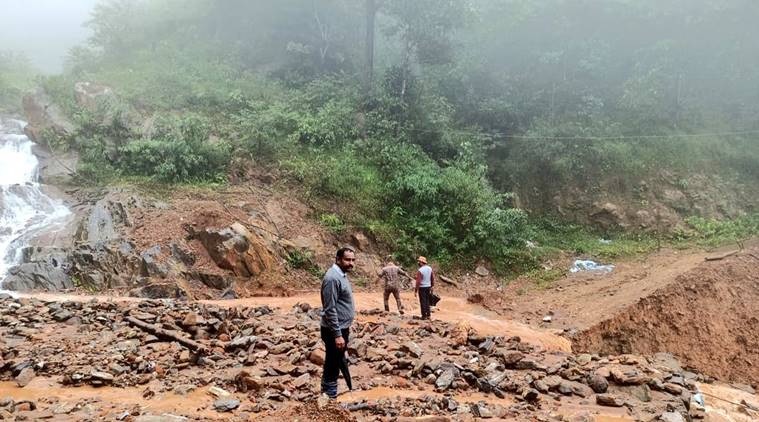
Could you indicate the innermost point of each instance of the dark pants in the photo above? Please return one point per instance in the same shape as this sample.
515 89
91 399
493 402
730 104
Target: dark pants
332 361
424 301
397 294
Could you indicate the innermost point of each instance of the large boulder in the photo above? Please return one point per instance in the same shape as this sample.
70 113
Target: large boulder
237 249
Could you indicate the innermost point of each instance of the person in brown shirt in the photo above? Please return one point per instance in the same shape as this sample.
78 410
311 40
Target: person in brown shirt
391 274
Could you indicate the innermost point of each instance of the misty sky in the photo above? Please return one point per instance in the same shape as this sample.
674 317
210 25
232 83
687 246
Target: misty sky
43 29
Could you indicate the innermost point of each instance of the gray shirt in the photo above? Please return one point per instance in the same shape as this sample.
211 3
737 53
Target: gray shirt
337 301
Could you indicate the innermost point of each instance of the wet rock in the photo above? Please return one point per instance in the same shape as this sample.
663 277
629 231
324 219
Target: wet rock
37 276
25 377
226 405
609 400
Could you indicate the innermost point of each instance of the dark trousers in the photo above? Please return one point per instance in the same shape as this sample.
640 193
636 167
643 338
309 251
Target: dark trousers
332 360
424 301
392 290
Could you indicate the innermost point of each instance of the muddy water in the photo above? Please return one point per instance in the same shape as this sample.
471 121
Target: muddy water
196 402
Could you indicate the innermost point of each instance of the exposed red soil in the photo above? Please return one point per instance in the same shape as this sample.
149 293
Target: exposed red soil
707 317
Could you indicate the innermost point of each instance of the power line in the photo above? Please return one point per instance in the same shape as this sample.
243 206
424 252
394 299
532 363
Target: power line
591 138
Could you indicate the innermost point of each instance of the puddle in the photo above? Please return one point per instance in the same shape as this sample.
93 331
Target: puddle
380 393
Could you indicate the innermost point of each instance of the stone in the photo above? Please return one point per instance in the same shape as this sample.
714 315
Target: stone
62 315
322 401
583 359
218 392
281 348
25 376
641 392
598 383
481 271
481 411
413 349
302 381
511 357
244 341
609 400
671 417
531 395
445 379
226 405
102 376
317 357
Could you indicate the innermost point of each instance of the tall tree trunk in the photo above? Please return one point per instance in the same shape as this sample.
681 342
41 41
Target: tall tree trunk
371 14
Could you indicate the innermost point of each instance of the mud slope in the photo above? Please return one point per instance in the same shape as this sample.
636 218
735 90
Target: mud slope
708 317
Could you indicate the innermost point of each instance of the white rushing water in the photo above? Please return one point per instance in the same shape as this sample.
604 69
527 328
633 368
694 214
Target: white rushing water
24 209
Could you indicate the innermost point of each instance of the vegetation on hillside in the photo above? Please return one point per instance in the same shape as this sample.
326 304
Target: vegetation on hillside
16 77
414 120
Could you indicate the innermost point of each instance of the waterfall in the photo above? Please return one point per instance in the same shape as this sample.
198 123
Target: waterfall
25 210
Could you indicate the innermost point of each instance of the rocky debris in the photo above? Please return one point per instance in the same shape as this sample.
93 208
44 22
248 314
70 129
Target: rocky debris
274 358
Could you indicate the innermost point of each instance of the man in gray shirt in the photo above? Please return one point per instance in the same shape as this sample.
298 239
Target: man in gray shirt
337 316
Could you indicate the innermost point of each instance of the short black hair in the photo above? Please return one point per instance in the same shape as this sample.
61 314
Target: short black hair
341 252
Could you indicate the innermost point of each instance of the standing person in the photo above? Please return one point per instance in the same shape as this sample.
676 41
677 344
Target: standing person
337 316
392 273
425 280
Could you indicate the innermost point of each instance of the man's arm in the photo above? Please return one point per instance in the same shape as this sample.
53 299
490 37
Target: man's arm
418 282
329 305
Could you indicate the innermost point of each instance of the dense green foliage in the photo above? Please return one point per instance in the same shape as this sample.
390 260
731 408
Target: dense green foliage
462 102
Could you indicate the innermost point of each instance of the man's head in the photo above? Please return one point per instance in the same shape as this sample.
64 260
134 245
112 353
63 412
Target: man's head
345 259
422 261
389 260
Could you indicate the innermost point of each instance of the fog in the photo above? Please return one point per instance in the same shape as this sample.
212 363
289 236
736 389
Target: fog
44 30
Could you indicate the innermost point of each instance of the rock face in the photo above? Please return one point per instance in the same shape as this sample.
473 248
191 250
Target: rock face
43 116
40 269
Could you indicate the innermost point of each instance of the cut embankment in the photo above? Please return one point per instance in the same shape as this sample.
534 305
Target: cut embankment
709 318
